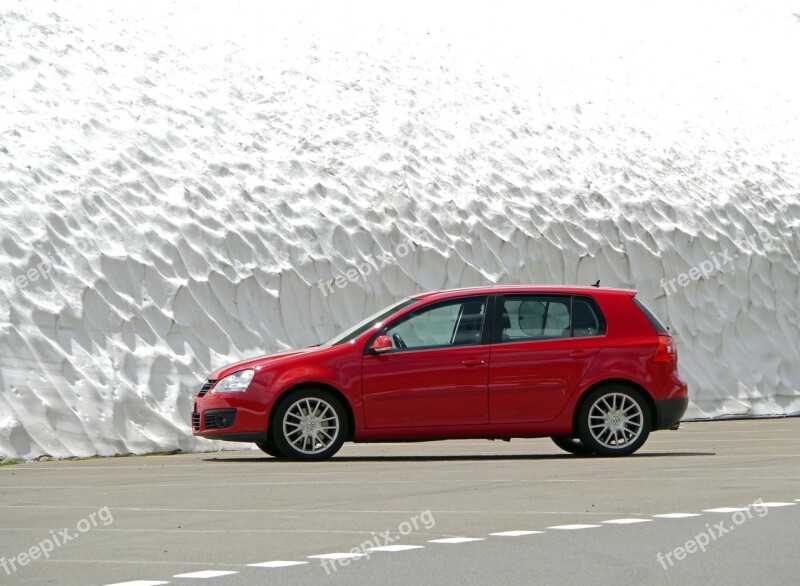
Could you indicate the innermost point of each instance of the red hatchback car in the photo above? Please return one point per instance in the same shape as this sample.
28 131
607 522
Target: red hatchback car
590 367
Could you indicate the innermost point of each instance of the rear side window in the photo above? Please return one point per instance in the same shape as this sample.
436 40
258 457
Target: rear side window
543 317
587 320
657 324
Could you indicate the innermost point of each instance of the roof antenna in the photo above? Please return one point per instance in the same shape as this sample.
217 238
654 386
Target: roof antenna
597 284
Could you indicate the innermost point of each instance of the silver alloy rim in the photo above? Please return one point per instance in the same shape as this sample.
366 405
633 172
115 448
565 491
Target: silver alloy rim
616 420
310 425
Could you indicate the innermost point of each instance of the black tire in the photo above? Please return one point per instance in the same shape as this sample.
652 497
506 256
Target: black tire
309 424
614 420
570 444
268 447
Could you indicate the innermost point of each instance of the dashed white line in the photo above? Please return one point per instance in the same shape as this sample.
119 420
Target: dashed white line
451 540
276 564
457 539
206 574
336 556
393 548
627 521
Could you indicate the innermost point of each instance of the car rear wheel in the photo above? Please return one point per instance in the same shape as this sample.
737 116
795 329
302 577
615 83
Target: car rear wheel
309 424
570 444
614 420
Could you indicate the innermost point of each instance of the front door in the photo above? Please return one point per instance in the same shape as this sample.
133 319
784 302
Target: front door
437 370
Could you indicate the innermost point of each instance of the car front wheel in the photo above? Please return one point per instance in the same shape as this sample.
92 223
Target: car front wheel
573 445
614 420
268 447
309 424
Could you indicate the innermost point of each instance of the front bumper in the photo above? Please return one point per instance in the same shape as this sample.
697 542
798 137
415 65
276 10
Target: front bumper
670 411
238 417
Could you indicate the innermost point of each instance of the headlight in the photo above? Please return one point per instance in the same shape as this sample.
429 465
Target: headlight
234 383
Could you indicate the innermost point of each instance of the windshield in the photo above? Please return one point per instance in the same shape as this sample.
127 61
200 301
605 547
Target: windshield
372 320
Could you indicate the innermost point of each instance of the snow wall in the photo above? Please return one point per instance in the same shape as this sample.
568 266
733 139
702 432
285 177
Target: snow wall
177 179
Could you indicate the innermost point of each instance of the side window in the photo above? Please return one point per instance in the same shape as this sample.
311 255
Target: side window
586 319
453 323
542 317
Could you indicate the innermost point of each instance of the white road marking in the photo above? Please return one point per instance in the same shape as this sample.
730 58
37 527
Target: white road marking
83 470
336 556
457 539
470 481
725 469
205 574
322 511
395 547
133 563
627 521
139 583
185 531
451 540
276 564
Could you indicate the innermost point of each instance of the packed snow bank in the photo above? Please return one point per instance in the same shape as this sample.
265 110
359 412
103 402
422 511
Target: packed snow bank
176 180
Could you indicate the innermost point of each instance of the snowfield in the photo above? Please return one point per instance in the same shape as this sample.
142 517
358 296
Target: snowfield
178 183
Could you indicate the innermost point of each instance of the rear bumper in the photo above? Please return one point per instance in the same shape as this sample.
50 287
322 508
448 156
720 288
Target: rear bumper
670 411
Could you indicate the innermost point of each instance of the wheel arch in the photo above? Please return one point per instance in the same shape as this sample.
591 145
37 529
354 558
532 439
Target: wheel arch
351 421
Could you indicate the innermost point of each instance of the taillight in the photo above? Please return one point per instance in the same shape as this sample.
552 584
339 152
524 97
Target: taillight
665 352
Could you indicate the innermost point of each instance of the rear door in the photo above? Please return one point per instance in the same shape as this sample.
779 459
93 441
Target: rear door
543 345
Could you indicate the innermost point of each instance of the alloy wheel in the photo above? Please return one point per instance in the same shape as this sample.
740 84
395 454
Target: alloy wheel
616 420
311 425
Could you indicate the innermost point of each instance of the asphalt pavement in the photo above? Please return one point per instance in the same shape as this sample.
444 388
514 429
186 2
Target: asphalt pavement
712 502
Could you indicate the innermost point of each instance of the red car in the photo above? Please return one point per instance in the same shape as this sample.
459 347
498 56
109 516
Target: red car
590 367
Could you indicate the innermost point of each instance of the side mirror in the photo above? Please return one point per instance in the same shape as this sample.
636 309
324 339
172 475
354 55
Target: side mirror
381 344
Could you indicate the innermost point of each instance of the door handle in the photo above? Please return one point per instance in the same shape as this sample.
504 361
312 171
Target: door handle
578 354
473 361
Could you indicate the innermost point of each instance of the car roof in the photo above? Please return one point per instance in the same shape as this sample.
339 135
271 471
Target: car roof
508 289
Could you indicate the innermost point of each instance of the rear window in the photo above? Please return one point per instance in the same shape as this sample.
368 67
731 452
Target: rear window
657 324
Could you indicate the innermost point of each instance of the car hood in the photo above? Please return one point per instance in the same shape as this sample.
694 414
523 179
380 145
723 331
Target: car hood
260 361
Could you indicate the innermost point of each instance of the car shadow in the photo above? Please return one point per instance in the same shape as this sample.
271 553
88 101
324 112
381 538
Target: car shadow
468 457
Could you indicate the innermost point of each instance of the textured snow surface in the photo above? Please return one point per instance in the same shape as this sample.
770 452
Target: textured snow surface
176 178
